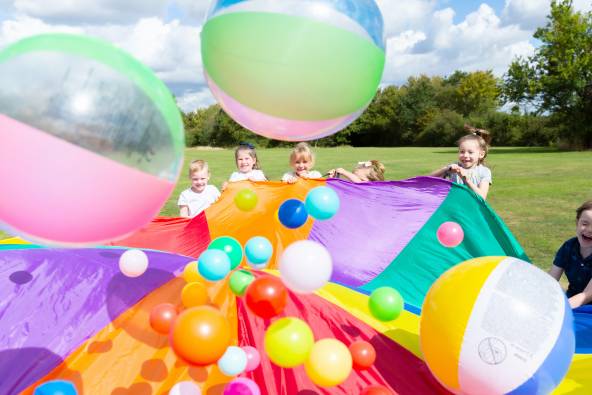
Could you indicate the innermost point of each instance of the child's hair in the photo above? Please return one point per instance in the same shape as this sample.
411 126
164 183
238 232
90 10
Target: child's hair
584 207
376 172
250 148
302 149
481 136
198 165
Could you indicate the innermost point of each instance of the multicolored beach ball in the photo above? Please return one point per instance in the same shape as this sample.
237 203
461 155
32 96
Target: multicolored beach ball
290 69
92 140
497 325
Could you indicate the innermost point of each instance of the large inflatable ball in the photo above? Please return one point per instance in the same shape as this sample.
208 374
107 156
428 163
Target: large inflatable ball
497 325
92 140
291 69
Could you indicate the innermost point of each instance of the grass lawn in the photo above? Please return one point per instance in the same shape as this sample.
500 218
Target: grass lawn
535 190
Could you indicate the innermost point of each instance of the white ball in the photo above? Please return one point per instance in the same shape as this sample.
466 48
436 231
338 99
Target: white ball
133 263
185 388
305 266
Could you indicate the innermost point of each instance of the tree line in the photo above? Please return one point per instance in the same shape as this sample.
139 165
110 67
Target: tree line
542 100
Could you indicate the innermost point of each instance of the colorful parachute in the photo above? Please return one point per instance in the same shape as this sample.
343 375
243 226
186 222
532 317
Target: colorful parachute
70 313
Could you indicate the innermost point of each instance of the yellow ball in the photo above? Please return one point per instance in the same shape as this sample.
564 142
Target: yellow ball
288 342
329 363
194 294
246 199
190 273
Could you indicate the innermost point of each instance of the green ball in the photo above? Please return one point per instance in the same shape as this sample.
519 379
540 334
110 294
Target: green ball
231 247
385 303
246 199
239 281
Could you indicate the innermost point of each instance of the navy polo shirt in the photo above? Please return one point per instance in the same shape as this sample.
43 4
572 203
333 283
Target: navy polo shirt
577 269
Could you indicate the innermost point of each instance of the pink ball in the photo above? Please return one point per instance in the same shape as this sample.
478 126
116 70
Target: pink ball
253 358
450 234
242 386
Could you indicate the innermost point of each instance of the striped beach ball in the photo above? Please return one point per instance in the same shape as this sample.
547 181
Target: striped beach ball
497 325
91 140
291 69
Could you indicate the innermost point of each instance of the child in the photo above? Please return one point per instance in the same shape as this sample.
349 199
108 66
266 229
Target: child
371 170
575 259
472 151
247 164
200 195
302 161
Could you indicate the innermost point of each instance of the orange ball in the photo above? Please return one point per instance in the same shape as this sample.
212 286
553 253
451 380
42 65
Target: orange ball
363 354
162 317
194 294
200 335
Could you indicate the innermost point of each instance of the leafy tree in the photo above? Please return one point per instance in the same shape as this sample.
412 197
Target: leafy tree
557 79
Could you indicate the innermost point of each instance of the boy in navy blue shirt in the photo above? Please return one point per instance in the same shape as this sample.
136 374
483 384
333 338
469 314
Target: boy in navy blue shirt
575 259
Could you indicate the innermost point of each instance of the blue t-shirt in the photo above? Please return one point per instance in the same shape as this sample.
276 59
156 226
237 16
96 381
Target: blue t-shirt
577 269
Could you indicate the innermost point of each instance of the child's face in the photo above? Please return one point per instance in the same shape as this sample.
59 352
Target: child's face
584 229
301 164
470 153
244 161
199 180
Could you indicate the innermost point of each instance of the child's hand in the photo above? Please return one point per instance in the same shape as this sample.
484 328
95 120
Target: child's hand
455 169
224 185
291 180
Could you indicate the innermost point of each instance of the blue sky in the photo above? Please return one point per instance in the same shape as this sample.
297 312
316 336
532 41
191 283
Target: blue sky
432 37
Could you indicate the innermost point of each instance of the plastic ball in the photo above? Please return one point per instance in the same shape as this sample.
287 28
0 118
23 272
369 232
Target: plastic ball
377 390
309 89
510 332
56 387
233 362
450 234
104 126
329 363
363 354
322 203
213 265
185 388
194 294
231 247
191 274
266 296
246 199
133 263
385 304
239 281
200 335
288 342
305 266
292 214
253 358
258 250
242 386
162 317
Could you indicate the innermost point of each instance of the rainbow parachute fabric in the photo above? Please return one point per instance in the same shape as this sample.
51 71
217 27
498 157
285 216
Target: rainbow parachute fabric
70 314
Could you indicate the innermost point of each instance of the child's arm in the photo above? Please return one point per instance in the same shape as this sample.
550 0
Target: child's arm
184 211
440 172
289 178
582 298
482 189
556 272
351 176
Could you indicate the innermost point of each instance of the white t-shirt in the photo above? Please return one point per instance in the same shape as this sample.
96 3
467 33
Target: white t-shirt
476 175
255 175
311 174
198 202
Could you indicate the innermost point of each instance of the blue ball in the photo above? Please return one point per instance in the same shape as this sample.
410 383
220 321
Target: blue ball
233 362
56 387
322 203
258 250
213 265
292 213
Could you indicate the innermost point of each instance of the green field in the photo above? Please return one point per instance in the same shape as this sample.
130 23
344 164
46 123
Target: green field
535 191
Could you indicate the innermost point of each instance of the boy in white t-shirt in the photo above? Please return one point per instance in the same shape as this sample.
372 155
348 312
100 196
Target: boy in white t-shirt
200 196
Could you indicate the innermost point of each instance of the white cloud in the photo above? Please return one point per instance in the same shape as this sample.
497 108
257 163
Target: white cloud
530 14
192 100
400 16
24 26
